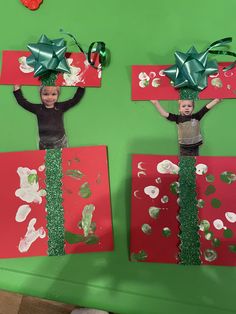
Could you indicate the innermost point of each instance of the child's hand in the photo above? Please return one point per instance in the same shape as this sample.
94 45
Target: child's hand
154 102
217 100
16 87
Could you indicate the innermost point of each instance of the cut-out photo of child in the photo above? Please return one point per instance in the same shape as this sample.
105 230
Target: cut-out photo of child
188 123
49 114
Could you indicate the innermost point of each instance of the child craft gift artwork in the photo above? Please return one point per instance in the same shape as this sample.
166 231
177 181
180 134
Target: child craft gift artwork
48 63
51 66
192 76
203 230
55 202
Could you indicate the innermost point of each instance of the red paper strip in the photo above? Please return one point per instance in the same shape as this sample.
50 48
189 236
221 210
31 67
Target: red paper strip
149 82
216 181
23 223
16 71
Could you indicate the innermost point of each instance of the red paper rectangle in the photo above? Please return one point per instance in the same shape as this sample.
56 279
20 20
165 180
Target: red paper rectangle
15 71
149 82
18 227
215 187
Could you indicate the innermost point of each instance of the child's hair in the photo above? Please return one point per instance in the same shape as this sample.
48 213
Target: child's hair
43 86
192 100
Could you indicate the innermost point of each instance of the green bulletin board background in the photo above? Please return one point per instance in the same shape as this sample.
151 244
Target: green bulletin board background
136 32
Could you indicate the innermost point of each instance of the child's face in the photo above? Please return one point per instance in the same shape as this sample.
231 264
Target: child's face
49 95
186 107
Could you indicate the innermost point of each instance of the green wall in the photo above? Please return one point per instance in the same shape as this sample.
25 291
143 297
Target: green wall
136 32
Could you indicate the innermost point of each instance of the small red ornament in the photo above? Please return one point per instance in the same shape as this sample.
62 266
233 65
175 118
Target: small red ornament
31 4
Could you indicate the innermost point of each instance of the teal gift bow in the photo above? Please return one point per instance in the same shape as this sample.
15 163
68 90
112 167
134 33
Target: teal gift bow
192 68
97 47
48 55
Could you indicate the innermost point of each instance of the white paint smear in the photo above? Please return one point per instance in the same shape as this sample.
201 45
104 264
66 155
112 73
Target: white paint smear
22 213
31 236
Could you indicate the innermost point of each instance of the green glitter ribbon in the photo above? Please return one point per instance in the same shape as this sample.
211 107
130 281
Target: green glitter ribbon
55 212
225 53
188 216
48 56
188 93
96 47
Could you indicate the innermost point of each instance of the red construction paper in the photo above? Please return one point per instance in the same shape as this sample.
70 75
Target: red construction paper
13 64
92 162
11 231
215 186
220 85
158 248
225 194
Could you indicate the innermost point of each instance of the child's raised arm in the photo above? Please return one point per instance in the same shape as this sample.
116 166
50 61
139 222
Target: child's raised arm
213 103
16 87
161 110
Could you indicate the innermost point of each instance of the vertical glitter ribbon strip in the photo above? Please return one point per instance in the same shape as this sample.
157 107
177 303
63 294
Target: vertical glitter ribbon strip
188 217
55 212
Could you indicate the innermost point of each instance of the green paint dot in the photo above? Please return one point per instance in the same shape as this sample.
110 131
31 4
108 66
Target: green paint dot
209 235
200 203
32 178
174 187
215 203
166 232
204 225
73 238
91 239
154 212
216 242
210 178
232 248
85 191
140 256
228 233
146 228
210 190
228 177
165 199
74 173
